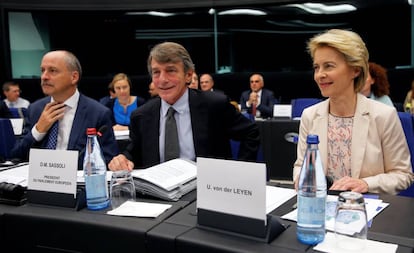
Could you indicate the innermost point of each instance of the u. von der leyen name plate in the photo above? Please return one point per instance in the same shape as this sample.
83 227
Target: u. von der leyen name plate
232 187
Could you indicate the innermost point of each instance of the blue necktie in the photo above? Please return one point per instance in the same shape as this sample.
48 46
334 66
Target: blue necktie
53 134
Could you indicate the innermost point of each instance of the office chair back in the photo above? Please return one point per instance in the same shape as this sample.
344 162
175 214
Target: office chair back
7 138
299 104
18 112
235 145
407 121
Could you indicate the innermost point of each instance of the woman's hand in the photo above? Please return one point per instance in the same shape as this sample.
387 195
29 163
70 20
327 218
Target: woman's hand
350 184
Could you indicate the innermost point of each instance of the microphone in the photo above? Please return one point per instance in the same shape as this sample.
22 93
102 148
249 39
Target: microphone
102 130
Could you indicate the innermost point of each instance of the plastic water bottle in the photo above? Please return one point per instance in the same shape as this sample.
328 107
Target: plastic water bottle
94 170
311 196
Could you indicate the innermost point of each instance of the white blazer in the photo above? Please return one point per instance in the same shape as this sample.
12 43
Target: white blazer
379 150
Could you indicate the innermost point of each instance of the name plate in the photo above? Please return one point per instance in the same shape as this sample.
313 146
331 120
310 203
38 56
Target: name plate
232 187
53 170
282 111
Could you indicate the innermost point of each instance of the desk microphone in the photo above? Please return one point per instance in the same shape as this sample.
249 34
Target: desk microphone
102 130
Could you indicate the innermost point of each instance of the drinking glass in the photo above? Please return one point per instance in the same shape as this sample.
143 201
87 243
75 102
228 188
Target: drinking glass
351 221
122 188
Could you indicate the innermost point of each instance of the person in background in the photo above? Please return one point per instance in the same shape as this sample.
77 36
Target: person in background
207 83
362 142
107 100
123 105
12 92
4 110
152 90
206 121
377 86
74 112
409 100
194 81
257 99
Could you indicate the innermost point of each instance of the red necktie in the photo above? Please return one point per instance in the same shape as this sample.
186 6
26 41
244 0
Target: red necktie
254 110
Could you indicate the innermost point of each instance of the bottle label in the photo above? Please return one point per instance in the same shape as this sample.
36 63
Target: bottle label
311 211
96 188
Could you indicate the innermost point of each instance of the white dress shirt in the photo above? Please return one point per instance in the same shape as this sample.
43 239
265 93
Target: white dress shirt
185 132
19 103
65 124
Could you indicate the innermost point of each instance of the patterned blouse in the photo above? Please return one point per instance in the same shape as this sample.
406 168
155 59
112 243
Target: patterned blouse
339 146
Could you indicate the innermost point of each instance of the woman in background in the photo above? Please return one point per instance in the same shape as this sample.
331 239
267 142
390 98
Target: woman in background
194 81
409 100
123 105
377 86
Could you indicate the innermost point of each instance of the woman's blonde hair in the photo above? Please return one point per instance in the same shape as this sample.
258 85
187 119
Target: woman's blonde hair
350 45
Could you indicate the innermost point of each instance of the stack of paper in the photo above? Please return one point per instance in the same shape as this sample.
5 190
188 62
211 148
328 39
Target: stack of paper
170 180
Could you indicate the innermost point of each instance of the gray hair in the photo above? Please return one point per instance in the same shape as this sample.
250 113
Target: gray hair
170 52
72 62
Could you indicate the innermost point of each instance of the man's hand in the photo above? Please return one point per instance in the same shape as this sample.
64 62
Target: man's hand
52 112
120 162
253 98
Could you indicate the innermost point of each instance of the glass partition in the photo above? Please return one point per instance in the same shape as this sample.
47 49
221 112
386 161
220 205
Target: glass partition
264 38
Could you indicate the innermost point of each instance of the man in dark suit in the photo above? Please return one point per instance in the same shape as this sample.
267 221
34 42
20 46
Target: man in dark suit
207 83
257 100
206 121
4 110
75 112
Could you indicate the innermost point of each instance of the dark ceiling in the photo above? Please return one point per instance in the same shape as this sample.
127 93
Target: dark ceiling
168 4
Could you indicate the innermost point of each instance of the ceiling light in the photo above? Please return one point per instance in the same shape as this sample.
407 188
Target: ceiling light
151 13
317 8
242 12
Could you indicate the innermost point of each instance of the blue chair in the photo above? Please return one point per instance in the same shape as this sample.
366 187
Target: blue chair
7 138
235 146
18 112
299 104
407 121
14 112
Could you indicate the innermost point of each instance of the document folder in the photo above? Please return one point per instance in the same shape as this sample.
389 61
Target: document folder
240 226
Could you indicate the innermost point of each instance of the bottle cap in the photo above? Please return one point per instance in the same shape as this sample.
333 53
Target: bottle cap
312 139
91 131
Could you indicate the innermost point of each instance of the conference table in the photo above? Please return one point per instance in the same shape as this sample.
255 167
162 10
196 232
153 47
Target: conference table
278 145
43 228
392 225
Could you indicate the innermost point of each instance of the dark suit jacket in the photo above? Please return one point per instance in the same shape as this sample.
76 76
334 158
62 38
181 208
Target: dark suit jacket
267 100
90 113
214 122
4 110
